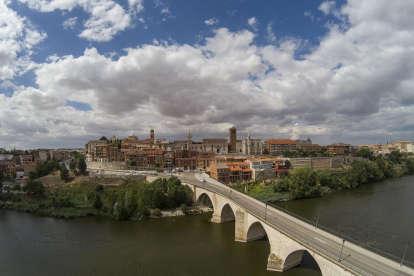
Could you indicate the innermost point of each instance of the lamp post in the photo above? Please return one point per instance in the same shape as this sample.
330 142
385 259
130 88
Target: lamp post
230 192
317 219
340 255
404 253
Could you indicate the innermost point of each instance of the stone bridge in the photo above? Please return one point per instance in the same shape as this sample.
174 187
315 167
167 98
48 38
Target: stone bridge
285 252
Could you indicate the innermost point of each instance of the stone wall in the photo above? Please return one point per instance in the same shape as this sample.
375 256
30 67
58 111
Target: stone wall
317 163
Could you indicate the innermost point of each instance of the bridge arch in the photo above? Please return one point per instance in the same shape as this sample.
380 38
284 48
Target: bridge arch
255 231
227 213
204 199
296 257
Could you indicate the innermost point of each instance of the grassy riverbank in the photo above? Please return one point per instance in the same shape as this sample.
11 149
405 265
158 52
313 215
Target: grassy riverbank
133 199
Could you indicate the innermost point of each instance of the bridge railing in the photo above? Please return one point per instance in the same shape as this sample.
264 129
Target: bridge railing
326 229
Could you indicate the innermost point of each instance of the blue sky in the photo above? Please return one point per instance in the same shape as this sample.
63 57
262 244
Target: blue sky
279 69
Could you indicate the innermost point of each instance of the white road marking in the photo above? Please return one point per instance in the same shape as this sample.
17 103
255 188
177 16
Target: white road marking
320 240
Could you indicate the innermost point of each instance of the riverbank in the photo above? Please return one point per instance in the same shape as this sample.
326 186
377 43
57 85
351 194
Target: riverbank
84 211
130 200
306 183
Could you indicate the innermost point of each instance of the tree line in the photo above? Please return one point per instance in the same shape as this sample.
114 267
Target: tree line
305 182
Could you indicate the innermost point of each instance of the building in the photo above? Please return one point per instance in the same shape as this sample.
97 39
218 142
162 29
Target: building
304 142
204 159
145 158
310 147
26 159
262 169
107 153
404 146
8 168
276 147
220 172
43 155
377 149
233 139
6 157
185 159
218 145
252 146
339 149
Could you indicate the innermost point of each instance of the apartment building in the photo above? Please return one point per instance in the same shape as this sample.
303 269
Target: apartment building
339 149
220 172
276 147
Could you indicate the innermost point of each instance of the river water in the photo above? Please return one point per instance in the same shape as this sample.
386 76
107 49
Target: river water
381 214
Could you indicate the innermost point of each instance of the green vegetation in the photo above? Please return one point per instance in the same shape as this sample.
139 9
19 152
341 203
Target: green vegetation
64 173
72 164
81 165
131 200
1 180
305 183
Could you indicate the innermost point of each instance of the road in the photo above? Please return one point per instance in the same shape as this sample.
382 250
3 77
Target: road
353 257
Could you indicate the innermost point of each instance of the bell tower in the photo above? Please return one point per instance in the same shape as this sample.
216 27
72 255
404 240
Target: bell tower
152 136
189 140
233 139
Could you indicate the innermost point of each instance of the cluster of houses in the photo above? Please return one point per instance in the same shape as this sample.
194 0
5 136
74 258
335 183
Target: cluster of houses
17 164
228 160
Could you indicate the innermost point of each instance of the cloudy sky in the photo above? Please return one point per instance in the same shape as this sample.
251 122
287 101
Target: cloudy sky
337 71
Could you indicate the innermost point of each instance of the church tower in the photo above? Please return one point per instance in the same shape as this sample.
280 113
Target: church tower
152 136
189 140
233 139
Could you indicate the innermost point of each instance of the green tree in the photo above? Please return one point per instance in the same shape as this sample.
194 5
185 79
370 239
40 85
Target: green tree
34 187
64 173
326 179
99 188
395 157
17 187
133 163
41 170
81 165
7 189
410 165
364 153
97 202
287 164
72 164
32 175
303 183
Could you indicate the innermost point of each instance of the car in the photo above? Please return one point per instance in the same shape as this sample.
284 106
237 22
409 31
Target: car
154 173
170 174
191 170
173 171
202 179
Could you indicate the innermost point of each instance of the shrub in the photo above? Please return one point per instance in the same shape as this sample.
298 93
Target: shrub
157 212
184 209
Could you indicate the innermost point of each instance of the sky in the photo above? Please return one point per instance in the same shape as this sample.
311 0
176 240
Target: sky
336 71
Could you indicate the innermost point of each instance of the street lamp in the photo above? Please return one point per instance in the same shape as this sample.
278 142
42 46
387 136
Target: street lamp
404 253
340 255
317 219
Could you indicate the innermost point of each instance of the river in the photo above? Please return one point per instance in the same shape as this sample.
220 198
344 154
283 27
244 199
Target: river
381 214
